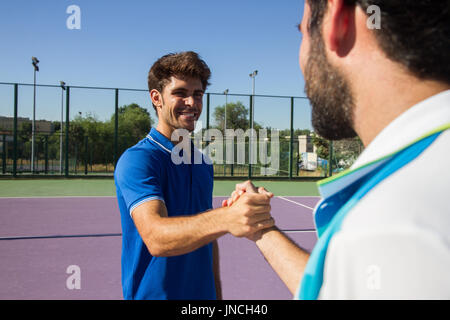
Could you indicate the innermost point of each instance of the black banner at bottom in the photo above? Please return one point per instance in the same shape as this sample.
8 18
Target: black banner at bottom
227 310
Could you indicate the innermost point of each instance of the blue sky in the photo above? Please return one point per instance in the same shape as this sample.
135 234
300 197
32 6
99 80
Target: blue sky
119 40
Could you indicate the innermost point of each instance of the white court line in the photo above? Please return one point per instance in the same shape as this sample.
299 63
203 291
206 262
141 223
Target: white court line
297 203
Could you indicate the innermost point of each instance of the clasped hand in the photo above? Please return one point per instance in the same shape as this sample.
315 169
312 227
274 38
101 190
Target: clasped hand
250 210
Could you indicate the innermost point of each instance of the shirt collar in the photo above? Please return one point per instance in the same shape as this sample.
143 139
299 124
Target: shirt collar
160 140
410 126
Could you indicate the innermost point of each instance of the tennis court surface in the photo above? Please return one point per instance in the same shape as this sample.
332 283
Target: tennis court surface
41 237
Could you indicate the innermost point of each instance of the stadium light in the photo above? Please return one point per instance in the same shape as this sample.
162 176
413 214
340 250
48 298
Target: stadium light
34 62
253 76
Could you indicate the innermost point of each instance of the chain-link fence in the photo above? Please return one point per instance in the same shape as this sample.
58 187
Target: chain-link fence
82 131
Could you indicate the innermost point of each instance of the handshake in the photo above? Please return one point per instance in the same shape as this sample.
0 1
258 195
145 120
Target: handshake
249 211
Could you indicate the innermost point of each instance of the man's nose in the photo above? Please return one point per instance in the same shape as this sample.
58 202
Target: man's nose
189 100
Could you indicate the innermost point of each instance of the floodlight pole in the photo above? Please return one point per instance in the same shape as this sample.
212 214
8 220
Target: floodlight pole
252 114
253 76
33 122
35 62
226 103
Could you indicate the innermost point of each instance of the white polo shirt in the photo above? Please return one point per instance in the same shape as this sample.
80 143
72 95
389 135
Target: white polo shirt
395 243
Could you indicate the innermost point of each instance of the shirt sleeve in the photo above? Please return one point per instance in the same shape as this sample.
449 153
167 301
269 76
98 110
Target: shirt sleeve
395 263
138 176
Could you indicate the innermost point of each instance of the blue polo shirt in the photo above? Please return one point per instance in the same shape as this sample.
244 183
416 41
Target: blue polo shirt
146 172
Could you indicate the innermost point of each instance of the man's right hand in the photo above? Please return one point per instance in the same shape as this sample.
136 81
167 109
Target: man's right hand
241 188
249 214
248 190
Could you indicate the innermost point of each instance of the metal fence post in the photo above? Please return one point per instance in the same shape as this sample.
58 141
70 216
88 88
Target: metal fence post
4 154
16 96
291 140
86 148
46 154
67 131
207 110
116 128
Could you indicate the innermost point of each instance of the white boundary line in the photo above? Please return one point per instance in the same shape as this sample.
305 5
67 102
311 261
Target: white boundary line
299 204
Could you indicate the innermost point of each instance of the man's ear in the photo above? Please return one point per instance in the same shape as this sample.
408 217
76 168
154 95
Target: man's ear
156 98
339 31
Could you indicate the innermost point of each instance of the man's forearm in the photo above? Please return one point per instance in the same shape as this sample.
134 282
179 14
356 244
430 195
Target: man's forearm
173 236
170 236
286 258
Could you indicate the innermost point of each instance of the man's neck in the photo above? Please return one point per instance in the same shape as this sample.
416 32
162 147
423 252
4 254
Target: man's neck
383 96
165 130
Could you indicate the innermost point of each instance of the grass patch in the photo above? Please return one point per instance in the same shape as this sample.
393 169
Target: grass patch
106 187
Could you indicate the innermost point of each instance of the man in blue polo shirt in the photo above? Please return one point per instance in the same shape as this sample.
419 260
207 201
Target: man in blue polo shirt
169 248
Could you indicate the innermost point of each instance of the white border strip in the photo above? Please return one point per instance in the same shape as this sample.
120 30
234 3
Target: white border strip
143 201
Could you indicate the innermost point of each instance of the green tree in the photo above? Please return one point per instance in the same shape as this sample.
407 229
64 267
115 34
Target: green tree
24 132
346 151
297 132
24 139
237 117
134 124
56 125
77 133
99 139
322 145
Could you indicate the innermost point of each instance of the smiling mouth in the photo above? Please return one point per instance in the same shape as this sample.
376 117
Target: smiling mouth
189 115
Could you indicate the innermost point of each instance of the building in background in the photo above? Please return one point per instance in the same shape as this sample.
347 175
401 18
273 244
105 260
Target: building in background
308 152
42 126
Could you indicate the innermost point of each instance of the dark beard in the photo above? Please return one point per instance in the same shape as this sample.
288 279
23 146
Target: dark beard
329 94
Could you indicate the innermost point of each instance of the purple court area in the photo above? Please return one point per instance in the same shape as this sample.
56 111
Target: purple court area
41 237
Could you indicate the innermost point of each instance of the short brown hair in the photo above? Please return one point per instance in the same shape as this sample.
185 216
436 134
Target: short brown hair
183 64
